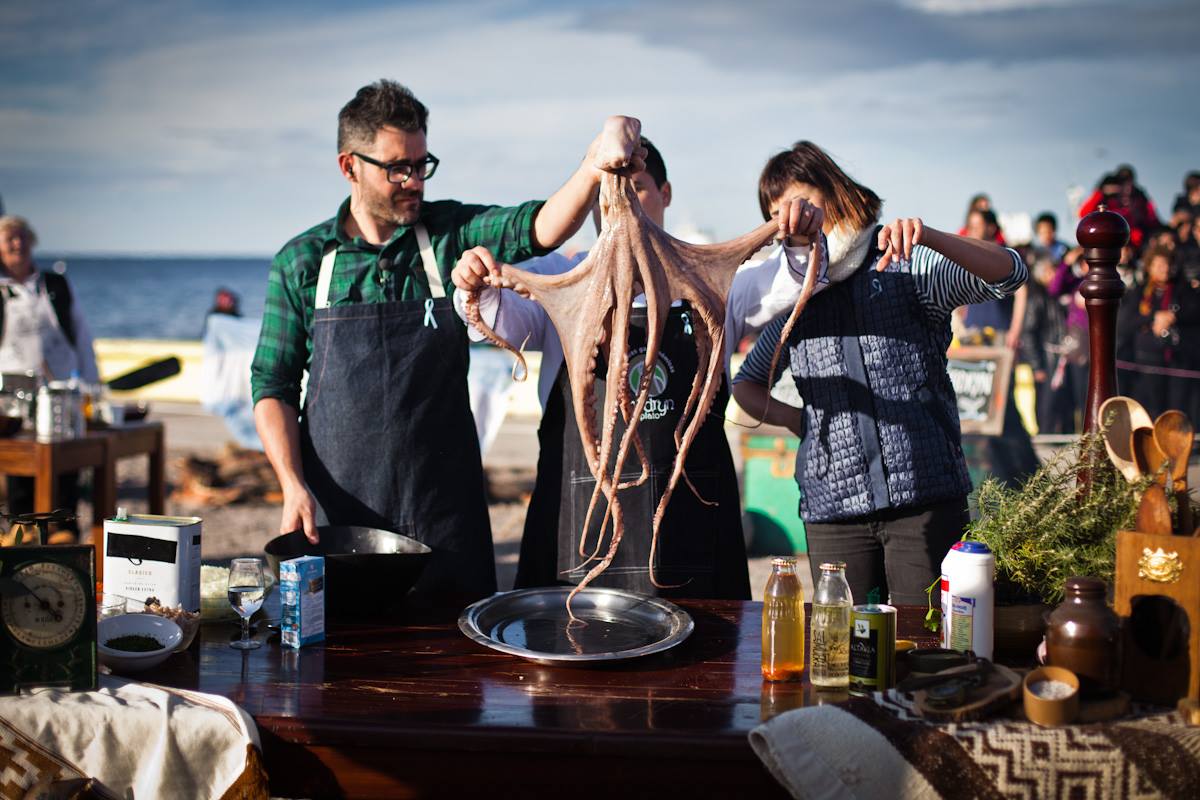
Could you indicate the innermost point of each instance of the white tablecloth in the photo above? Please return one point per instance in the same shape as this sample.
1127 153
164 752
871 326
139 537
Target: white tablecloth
134 739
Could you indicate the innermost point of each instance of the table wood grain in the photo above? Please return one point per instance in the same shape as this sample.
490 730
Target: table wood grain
412 708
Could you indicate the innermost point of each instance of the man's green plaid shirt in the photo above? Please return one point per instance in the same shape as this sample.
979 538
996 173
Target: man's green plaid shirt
285 342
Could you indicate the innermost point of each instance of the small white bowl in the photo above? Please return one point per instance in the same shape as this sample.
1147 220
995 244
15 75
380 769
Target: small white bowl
164 630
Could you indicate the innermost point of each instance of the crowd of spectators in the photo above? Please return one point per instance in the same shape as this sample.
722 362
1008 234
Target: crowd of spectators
1158 324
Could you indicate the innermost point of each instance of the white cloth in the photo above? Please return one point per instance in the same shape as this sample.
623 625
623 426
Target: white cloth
847 250
824 753
229 344
138 740
34 342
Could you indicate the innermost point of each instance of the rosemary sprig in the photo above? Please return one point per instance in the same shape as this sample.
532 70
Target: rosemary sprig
1050 528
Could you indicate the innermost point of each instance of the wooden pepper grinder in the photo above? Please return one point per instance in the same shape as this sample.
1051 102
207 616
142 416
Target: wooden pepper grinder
1102 234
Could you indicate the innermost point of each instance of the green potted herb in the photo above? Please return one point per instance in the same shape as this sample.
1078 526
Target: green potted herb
1047 530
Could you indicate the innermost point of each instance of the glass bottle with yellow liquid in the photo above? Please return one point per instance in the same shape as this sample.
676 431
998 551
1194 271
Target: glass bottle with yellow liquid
783 623
830 635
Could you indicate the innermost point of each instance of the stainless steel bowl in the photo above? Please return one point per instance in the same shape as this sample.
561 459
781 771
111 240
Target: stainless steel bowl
533 624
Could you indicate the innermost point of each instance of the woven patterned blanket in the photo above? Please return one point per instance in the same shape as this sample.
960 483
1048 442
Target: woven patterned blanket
880 748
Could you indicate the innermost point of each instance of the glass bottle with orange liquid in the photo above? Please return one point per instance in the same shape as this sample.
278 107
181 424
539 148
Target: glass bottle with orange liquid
783 623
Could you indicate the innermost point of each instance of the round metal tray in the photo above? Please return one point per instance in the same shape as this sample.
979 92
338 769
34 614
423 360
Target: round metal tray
532 624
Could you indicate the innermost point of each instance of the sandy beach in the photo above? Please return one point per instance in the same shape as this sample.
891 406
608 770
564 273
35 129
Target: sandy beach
243 528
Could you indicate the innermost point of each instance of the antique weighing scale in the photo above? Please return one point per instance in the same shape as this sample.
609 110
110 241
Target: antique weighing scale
47 617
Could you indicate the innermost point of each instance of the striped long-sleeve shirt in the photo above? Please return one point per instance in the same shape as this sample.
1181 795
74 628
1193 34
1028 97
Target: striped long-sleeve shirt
941 285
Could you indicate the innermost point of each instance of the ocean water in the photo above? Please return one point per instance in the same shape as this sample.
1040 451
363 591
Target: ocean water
158 298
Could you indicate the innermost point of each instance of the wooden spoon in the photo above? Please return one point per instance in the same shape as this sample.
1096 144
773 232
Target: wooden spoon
1153 514
1119 416
1148 456
1174 435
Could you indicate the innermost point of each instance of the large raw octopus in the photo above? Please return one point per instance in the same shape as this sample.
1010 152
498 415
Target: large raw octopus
591 304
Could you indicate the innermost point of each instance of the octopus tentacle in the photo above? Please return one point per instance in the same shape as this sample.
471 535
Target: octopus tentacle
703 348
806 291
593 301
474 317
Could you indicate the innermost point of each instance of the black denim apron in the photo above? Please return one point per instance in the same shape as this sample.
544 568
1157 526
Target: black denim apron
700 546
387 436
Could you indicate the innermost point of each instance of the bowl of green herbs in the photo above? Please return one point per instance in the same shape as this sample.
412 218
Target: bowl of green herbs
136 642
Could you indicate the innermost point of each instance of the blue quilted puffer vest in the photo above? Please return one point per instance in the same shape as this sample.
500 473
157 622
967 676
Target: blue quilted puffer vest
881 421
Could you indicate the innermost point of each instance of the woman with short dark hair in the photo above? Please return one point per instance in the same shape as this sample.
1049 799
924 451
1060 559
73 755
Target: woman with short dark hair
883 481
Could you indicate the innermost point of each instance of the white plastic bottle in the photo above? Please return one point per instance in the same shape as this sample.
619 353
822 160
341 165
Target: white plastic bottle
968 598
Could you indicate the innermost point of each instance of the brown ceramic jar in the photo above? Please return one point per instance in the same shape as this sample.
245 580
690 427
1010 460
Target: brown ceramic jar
1084 635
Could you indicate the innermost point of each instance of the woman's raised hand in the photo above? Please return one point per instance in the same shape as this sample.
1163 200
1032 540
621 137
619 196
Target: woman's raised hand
800 219
897 239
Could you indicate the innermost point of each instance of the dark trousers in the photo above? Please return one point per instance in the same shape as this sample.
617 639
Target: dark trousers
1078 374
898 551
1159 393
20 496
1055 407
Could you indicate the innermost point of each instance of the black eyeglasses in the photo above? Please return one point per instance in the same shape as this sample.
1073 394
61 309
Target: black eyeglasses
400 171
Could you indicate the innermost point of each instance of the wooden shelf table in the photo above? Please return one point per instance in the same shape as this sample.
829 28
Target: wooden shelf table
142 438
99 449
23 455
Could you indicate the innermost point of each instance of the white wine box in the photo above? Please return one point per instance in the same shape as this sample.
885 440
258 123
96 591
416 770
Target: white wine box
153 556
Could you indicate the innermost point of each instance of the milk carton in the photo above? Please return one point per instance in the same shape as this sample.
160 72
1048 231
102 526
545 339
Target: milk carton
147 555
302 601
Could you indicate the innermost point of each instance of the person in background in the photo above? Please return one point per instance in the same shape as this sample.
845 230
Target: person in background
1046 243
1042 348
1181 225
1010 456
1120 193
1187 254
883 482
1189 199
43 331
225 301
982 203
225 304
1006 315
702 551
385 437
1157 320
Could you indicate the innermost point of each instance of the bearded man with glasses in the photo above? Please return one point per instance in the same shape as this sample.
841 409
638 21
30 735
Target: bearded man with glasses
385 436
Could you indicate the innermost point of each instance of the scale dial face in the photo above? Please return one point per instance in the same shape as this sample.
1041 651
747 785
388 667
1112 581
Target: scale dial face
53 614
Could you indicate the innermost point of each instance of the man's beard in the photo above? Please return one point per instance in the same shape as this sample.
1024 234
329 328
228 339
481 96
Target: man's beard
388 208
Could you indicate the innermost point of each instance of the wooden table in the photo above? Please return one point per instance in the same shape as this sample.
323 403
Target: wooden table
99 449
413 708
142 438
25 456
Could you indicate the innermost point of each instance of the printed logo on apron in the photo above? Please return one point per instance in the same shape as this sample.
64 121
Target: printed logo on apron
660 381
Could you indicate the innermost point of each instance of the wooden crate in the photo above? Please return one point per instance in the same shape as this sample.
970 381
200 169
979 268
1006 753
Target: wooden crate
1151 565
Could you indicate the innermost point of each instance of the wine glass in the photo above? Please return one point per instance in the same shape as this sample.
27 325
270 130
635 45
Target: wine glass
246 591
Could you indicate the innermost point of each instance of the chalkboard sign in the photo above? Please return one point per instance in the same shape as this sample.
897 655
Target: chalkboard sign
980 376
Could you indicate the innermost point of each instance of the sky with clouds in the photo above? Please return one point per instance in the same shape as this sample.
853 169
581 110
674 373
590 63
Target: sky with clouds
208 126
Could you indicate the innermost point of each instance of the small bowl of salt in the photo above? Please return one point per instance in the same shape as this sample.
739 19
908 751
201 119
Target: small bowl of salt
1051 696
